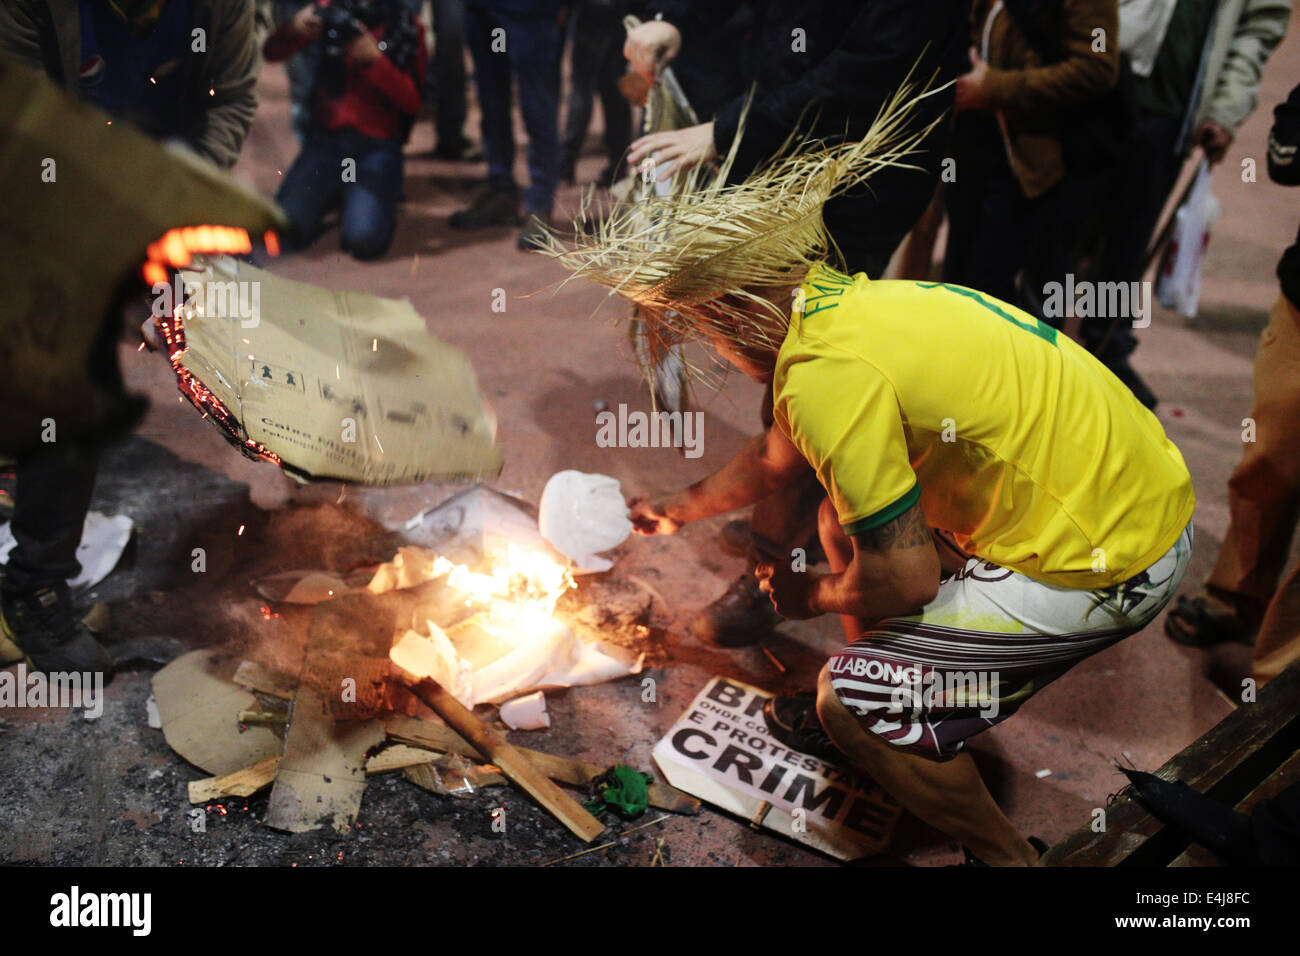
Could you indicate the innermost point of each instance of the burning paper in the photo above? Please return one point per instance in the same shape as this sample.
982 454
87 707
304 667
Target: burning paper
507 640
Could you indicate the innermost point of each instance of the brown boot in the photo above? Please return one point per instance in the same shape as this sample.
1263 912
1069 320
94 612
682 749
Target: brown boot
739 618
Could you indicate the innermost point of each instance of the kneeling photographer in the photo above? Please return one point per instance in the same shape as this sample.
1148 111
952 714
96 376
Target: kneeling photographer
366 95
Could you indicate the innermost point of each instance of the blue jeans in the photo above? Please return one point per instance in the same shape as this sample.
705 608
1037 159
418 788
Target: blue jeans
368 207
532 56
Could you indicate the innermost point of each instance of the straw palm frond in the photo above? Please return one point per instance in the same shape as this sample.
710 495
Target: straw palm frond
696 261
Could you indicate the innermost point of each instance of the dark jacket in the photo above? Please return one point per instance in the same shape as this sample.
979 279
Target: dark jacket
1284 169
1030 93
46 35
826 67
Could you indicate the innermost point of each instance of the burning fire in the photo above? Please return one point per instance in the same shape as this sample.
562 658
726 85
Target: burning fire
521 587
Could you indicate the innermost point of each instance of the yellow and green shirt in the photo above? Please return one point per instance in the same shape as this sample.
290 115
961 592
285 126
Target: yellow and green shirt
1012 437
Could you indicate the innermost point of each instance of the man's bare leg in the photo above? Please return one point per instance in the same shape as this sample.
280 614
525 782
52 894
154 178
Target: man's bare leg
948 795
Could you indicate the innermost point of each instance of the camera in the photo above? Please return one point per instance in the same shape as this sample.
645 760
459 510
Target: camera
339 27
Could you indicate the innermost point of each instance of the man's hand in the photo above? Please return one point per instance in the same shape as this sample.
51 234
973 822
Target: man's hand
364 49
650 518
970 91
790 591
306 23
1214 139
678 149
650 44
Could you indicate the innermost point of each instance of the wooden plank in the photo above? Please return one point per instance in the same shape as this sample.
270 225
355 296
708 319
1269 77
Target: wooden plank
576 773
501 753
398 756
1220 764
248 780
241 783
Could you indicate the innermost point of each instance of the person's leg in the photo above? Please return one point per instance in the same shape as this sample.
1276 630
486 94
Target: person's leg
997 239
1277 645
1138 193
1264 490
52 490
310 188
582 88
449 74
534 50
909 691
614 107
949 795
492 80
369 215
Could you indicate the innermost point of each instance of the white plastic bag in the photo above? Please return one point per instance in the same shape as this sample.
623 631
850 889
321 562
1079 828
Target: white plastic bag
582 515
1178 284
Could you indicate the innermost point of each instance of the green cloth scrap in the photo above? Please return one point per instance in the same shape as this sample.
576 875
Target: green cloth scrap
622 790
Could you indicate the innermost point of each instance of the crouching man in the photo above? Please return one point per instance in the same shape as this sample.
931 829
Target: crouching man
1000 506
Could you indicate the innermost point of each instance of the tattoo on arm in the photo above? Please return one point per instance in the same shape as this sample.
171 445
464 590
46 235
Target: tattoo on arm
908 530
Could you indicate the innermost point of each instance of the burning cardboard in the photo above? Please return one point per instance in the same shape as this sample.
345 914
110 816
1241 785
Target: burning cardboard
327 384
67 243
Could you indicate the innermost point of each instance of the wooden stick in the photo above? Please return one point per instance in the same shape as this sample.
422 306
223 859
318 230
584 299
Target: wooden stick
501 753
576 773
248 780
240 783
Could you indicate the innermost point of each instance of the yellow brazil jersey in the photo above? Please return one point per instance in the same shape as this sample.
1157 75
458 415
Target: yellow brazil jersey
1012 437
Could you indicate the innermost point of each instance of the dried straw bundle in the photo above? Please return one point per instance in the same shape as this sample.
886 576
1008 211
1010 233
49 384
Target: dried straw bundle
698 261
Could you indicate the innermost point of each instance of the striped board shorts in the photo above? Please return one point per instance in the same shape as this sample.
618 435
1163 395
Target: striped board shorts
988 642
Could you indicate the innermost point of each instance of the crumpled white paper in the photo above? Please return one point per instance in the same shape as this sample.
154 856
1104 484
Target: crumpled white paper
582 515
479 664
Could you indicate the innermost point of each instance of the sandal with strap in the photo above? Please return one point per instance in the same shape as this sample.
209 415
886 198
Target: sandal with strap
1193 623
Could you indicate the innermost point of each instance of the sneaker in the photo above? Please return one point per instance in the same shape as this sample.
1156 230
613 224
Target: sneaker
1126 374
49 633
1203 621
493 207
794 722
533 235
739 618
735 538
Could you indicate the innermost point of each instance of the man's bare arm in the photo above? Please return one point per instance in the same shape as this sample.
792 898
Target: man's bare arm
766 463
894 571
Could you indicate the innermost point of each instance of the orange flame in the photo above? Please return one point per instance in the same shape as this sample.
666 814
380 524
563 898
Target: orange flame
177 247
